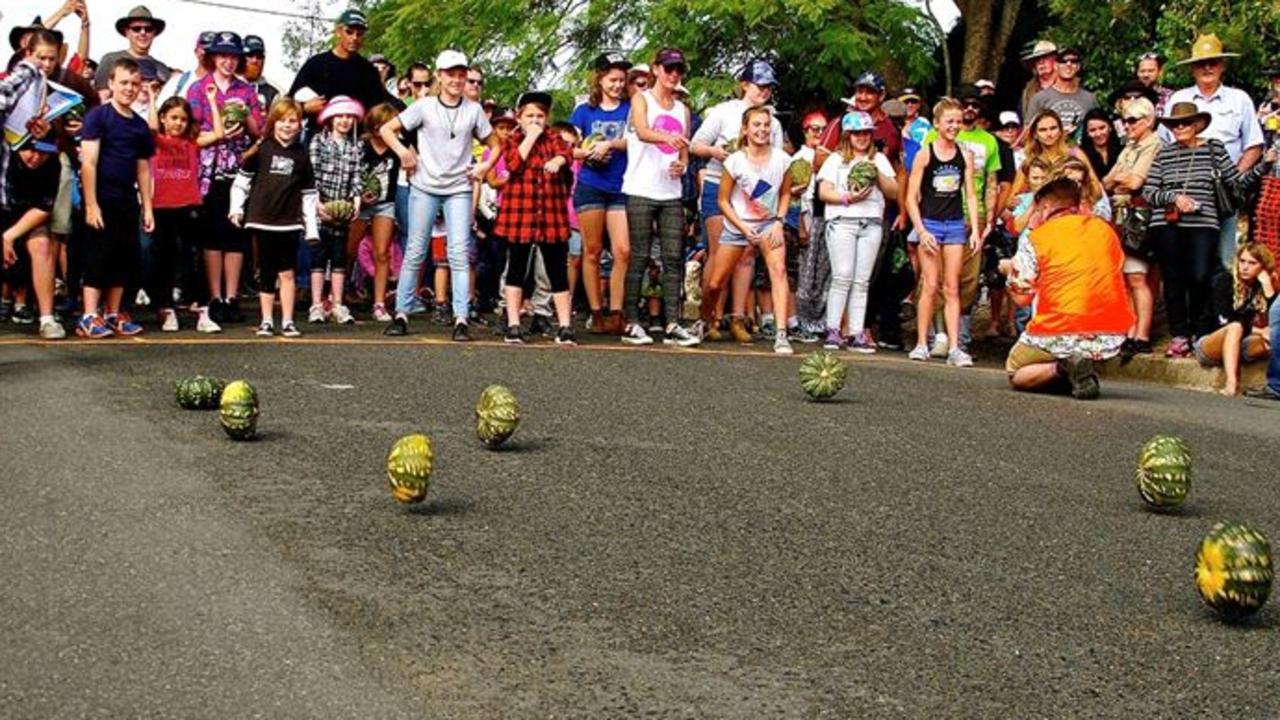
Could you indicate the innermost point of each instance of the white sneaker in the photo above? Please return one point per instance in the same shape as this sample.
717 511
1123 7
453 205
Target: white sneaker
919 354
380 313
959 358
940 345
341 315
205 325
170 323
676 335
781 345
266 329
51 330
635 335
315 315
290 330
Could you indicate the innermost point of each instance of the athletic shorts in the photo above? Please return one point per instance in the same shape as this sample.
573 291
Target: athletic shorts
277 253
60 219
587 198
113 255
221 235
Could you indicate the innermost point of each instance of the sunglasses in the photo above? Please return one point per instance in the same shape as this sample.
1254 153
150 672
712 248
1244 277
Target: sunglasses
1070 61
141 29
1175 124
1130 121
420 83
911 101
815 128
640 83
478 82
972 104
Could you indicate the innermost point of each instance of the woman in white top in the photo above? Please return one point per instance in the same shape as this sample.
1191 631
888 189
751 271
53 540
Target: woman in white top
719 128
657 155
755 192
854 227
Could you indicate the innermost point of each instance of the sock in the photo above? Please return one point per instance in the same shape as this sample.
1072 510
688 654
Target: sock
46 319
766 318
793 321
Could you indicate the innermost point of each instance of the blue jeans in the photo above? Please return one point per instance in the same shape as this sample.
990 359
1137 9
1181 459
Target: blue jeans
1227 242
423 208
1273 365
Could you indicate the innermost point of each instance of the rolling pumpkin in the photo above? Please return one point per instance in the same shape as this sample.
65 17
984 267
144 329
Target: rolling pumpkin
1233 570
238 410
1164 471
822 375
199 392
497 415
409 468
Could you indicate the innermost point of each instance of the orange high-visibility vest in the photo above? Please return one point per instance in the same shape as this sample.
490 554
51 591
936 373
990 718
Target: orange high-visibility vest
1080 286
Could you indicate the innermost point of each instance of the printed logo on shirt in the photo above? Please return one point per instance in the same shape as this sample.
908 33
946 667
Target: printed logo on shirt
668 124
608 129
762 198
946 180
281 165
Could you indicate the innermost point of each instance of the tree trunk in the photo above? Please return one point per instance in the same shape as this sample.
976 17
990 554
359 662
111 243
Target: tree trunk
1000 42
978 17
942 43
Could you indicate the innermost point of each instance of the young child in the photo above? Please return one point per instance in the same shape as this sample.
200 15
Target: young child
1022 220
570 134
440 283
380 171
534 211
274 196
117 146
28 248
754 195
336 157
177 201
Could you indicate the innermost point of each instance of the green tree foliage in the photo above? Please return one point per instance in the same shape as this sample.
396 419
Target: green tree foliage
1111 35
817 45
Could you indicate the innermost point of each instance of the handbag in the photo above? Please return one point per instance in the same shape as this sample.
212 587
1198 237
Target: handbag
1132 220
1226 196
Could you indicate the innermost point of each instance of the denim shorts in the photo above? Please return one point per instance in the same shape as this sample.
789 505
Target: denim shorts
575 243
732 237
710 200
382 210
587 198
947 232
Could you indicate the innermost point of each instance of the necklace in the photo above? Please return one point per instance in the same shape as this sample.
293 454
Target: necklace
451 118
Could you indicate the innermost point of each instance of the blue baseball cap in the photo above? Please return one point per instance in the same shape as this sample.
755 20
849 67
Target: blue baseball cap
871 80
759 72
857 121
226 43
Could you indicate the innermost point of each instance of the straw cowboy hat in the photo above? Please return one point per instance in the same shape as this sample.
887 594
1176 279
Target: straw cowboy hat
1035 50
1207 47
1184 111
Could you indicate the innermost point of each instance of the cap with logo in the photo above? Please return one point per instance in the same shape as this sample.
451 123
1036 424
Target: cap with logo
451 59
353 18
1009 118
670 57
870 79
611 60
226 43
909 93
205 39
759 72
254 45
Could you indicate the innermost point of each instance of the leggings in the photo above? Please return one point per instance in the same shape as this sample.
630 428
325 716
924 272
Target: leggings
1189 258
555 256
668 215
853 244
176 231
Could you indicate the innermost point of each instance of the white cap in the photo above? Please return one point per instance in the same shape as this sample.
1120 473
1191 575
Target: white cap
984 83
450 59
1008 117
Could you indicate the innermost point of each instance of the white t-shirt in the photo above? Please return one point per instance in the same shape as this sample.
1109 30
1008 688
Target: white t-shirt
757 189
836 171
648 165
444 143
724 123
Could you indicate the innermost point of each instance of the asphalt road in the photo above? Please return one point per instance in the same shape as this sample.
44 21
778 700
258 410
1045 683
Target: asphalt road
670 535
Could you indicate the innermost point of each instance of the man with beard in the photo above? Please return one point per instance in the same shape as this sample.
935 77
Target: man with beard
255 57
1065 96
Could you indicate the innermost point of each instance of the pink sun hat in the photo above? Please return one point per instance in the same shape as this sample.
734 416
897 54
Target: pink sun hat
341 105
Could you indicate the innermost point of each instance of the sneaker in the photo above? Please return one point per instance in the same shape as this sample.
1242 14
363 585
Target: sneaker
24 315
781 345
92 327
941 347
834 341
380 313
399 326
1141 347
1179 347
206 324
566 336
514 335
6 310
52 330
698 329
416 307
214 310
123 325
802 334
316 315
461 333
889 344
738 331
635 335
290 330
341 315
440 315
541 326
768 328
959 358
1261 392
919 354
1079 371
862 344
676 335
266 329
170 322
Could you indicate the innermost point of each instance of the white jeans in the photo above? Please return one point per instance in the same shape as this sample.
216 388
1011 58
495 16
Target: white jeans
853 245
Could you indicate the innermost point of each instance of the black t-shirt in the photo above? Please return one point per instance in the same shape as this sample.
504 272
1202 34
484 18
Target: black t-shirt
1008 171
384 167
280 175
330 76
1224 308
30 189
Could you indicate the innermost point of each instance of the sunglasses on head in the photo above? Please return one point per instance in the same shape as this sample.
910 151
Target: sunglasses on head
142 29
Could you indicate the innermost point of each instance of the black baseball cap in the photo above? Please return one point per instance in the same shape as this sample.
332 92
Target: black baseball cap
611 60
254 45
670 57
535 96
353 17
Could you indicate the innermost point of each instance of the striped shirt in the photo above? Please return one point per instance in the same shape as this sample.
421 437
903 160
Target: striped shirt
1180 170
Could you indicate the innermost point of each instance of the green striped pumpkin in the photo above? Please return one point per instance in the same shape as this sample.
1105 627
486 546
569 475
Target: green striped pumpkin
238 410
822 375
409 468
199 392
497 415
1164 471
1233 570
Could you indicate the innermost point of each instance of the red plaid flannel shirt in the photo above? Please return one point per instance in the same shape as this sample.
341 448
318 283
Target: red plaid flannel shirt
535 205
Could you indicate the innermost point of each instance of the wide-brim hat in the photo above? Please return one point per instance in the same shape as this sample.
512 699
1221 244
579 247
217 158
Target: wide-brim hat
341 105
15 35
1183 111
1131 87
1038 49
1207 47
139 13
